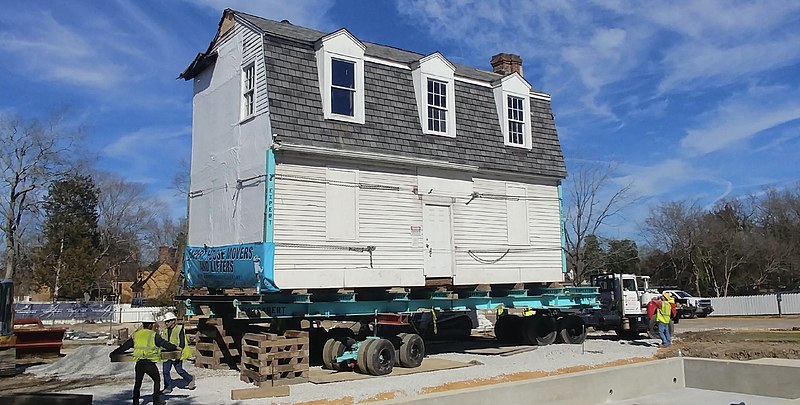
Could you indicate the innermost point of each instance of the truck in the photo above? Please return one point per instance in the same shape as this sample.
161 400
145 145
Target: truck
623 302
690 306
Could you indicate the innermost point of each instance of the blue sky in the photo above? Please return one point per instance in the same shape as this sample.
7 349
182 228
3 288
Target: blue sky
690 99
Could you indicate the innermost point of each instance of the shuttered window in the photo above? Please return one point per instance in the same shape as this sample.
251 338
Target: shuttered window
341 205
517 215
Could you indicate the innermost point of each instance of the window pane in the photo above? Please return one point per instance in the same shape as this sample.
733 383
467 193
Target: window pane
343 73
342 102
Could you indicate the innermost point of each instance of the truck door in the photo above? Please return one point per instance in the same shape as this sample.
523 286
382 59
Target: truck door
630 296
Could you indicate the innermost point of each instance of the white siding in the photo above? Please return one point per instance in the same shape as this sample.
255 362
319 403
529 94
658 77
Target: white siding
225 149
341 205
385 220
305 258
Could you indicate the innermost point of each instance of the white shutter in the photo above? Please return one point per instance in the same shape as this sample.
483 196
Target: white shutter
341 205
517 215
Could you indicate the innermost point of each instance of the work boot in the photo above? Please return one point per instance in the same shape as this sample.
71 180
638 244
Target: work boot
190 385
166 391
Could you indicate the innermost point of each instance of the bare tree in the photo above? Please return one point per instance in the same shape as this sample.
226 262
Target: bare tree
32 153
128 216
592 200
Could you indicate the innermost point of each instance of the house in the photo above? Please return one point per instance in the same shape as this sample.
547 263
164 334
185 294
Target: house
154 282
323 161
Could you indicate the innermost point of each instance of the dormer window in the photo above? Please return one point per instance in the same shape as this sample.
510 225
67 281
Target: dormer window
437 106
248 90
512 98
516 120
433 85
343 87
340 65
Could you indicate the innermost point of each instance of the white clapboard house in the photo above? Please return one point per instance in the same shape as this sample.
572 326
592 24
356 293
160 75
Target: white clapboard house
365 165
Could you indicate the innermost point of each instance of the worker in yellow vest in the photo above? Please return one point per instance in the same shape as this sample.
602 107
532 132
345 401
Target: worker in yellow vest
147 345
175 334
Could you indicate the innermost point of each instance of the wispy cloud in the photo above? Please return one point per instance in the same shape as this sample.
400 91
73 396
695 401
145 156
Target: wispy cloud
742 117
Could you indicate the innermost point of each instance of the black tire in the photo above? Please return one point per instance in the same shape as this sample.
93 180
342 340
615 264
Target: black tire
508 329
333 348
411 351
379 357
539 330
572 330
702 315
361 356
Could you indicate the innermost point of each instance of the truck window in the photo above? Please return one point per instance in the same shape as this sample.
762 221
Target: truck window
629 284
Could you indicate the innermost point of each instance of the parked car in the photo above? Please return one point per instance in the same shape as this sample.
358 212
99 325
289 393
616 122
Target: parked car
689 306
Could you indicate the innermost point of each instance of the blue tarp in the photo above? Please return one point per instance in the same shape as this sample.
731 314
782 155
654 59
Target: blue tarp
86 311
248 265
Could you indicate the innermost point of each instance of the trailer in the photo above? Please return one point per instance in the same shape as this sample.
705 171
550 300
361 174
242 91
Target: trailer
394 325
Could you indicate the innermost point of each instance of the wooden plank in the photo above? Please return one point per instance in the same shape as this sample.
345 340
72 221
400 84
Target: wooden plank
259 392
296 334
260 337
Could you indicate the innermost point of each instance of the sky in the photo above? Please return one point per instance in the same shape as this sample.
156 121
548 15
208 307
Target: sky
696 100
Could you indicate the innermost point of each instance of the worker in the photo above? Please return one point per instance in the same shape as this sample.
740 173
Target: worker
147 345
663 318
175 334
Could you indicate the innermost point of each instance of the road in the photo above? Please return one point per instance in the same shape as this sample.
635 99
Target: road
738 322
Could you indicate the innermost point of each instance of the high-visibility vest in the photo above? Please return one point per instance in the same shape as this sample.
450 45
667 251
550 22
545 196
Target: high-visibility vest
174 337
144 346
663 313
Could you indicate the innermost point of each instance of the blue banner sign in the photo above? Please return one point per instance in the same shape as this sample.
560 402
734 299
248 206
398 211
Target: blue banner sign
248 265
79 311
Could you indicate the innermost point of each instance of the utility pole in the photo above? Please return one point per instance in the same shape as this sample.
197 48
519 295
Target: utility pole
58 270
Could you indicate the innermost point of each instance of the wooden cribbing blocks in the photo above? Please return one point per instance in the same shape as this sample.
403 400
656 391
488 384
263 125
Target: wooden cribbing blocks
214 349
272 360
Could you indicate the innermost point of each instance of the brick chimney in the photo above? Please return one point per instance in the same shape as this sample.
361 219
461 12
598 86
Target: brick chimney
507 63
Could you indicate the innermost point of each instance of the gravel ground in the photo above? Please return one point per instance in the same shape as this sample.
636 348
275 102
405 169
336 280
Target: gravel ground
213 387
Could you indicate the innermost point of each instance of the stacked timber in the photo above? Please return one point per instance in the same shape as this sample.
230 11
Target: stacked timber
214 348
272 360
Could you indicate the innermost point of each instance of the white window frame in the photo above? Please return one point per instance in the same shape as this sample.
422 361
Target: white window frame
430 95
333 211
353 89
343 46
248 91
435 67
511 111
513 85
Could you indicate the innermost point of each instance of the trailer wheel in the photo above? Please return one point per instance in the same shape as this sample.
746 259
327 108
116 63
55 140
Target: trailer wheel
572 330
361 356
380 357
507 328
332 349
545 330
411 351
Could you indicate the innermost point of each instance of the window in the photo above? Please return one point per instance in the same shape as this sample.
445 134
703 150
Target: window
343 87
434 87
340 69
512 99
516 121
437 106
248 90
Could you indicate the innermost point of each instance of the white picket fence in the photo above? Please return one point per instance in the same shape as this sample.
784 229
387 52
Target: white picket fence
766 304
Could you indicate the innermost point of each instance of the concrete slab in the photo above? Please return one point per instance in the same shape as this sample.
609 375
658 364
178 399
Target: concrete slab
777 362
322 376
689 396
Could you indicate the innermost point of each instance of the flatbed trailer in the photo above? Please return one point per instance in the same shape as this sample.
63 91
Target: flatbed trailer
395 325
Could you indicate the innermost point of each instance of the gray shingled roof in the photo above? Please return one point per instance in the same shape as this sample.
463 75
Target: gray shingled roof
392 124
289 31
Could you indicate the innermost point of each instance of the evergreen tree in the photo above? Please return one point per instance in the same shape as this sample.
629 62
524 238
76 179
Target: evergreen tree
66 261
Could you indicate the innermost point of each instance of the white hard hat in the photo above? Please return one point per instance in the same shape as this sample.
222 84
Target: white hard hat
169 316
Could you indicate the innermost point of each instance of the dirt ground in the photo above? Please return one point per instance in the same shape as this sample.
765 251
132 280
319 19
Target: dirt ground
739 338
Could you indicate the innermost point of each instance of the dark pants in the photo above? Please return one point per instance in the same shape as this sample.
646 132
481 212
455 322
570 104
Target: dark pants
146 367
